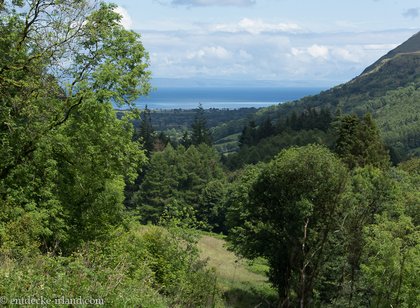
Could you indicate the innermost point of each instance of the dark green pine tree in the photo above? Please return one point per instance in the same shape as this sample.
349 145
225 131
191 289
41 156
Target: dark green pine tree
200 133
266 129
359 143
293 121
249 134
185 140
146 131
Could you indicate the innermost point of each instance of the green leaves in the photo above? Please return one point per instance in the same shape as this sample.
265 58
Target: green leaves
391 266
290 216
182 177
65 156
144 266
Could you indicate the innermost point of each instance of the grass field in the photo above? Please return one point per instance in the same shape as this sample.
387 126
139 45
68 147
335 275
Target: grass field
228 144
244 284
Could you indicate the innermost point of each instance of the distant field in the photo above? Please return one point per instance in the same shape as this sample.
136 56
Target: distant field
228 144
243 283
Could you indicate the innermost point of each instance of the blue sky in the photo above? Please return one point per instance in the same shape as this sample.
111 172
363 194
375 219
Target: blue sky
318 42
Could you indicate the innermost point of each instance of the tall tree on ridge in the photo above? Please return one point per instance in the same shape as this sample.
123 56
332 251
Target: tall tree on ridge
200 132
146 131
359 143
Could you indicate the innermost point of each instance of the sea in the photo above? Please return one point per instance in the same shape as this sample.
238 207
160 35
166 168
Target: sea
221 97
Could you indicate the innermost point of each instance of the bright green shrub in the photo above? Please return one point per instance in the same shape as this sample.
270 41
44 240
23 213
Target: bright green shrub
145 266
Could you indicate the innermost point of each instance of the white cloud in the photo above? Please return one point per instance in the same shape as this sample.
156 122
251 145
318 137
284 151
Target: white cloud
198 50
255 26
296 52
346 54
383 47
331 54
318 51
212 2
215 52
126 20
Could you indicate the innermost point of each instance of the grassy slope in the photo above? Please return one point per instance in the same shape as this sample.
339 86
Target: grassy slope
395 75
409 46
228 144
244 284
397 69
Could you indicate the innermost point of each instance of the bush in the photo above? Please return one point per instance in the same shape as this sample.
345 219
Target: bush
145 266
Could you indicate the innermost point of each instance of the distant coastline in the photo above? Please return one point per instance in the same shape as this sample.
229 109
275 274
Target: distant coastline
222 97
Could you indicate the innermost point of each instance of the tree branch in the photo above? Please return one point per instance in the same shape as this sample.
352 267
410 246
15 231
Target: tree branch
67 115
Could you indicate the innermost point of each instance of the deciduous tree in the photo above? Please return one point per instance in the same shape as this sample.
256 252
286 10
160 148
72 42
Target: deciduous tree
290 216
65 156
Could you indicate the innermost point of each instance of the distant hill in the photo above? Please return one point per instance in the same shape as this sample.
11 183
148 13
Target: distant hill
399 68
389 89
412 45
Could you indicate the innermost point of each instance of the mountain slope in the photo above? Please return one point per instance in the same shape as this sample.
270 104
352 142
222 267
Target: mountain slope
412 45
399 71
389 89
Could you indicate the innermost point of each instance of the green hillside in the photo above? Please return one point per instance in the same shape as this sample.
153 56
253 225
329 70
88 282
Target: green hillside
400 71
409 46
388 89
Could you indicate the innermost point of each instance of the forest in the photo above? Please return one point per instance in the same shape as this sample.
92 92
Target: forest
315 203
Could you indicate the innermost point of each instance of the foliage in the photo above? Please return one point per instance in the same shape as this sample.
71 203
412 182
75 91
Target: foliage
411 166
269 147
391 266
290 216
397 115
183 184
359 143
65 156
146 131
380 227
147 267
200 132
329 236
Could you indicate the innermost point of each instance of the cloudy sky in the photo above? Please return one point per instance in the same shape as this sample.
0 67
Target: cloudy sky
321 42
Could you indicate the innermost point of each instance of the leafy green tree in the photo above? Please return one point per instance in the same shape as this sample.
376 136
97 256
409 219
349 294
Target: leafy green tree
368 193
211 202
290 218
391 265
238 206
389 270
65 156
200 132
380 211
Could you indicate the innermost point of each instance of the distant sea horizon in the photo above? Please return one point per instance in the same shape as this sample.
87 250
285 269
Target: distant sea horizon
222 97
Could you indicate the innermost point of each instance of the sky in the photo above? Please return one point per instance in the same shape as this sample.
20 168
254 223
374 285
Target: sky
312 42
